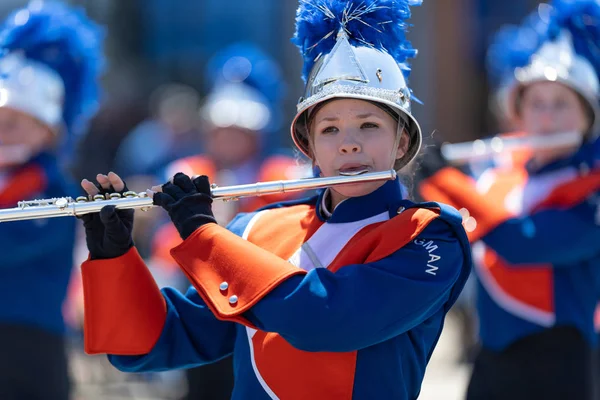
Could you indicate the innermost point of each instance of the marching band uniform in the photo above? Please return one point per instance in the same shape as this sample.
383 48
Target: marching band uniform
313 302
536 228
48 71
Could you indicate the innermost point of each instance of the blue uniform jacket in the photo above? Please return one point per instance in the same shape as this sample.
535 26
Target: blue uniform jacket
536 244
36 255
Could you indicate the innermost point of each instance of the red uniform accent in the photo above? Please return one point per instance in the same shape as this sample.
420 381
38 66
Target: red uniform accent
282 231
23 185
119 320
339 368
571 193
532 285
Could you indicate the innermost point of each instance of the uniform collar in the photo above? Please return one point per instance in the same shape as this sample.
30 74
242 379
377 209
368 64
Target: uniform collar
357 208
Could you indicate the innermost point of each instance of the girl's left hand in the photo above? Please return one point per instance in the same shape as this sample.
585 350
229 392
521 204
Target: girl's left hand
188 202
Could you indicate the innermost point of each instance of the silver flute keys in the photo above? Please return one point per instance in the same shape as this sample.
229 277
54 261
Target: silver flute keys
67 206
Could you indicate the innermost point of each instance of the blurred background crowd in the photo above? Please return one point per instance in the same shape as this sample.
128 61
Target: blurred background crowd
166 86
158 51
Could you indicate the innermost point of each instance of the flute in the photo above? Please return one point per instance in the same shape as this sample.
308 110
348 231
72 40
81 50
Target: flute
67 206
459 153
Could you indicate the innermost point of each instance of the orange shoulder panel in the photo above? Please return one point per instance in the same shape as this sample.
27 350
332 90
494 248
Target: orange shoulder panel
282 231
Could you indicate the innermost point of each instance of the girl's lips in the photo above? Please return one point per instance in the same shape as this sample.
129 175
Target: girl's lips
353 169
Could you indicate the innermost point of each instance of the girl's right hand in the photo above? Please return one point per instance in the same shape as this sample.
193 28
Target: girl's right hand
108 233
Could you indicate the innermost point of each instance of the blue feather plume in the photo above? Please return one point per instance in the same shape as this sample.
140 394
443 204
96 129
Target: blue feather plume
245 62
513 46
582 19
64 39
376 23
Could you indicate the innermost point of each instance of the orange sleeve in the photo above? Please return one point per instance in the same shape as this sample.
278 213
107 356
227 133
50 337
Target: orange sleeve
230 273
124 310
460 192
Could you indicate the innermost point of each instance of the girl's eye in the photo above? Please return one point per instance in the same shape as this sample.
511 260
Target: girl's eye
329 129
536 104
561 104
369 125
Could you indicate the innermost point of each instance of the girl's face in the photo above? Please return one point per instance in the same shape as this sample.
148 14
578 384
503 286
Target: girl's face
351 136
547 108
21 137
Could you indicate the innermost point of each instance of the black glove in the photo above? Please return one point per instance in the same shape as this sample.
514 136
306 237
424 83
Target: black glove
108 232
189 203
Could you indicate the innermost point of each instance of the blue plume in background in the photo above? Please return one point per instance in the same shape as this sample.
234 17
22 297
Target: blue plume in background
64 39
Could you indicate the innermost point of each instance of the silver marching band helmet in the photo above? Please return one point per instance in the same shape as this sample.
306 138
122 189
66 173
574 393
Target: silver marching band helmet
557 61
355 50
549 36
236 105
32 88
51 59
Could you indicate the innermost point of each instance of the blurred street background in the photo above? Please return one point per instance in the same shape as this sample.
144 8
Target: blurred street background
158 52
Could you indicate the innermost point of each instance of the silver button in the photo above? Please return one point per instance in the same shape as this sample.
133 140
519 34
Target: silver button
224 286
233 299
400 210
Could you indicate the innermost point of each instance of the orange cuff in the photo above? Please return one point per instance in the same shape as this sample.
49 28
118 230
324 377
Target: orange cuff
124 309
461 192
230 273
